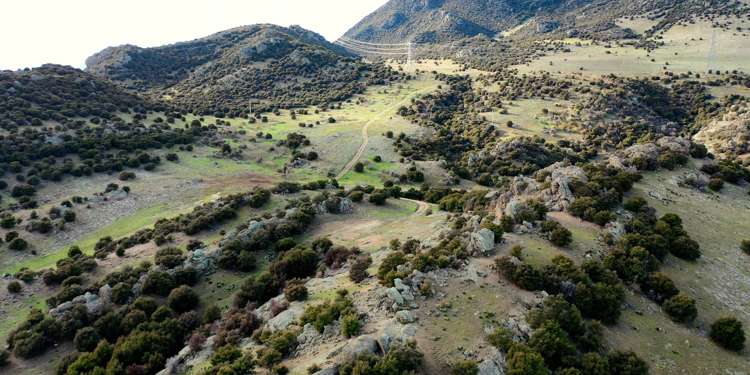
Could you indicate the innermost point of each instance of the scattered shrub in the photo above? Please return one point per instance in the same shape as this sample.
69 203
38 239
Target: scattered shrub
14 287
295 290
728 333
681 308
86 339
182 299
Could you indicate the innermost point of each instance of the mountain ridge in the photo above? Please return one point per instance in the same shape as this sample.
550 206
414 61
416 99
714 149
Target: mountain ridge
439 21
219 74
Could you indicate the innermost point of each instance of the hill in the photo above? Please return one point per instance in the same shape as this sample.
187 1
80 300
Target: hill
437 21
220 74
54 92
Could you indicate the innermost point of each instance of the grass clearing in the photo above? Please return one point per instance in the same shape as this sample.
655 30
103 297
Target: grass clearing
694 47
529 121
719 280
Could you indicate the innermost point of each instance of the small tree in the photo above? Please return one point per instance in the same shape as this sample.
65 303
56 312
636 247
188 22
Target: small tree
183 298
14 287
4 355
745 246
211 314
681 308
728 333
169 257
18 244
350 325
358 269
378 197
86 339
359 167
295 290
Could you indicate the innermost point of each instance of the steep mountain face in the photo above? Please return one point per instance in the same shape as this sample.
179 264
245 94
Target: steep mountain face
220 74
54 92
435 21
442 20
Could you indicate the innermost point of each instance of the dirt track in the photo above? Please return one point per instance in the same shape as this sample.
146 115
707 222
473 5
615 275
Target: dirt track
365 137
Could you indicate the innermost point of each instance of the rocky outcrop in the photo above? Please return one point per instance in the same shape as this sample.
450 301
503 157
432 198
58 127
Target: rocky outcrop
494 364
335 205
555 190
203 261
558 196
264 311
95 303
645 156
187 358
729 136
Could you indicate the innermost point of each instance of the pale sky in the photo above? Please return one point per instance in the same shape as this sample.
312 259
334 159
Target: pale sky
34 32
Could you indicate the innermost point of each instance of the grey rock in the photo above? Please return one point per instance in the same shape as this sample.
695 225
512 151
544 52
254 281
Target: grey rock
328 371
360 345
493 365
286 317
407 296
105 294
395 296
405 317
203 261
399 284
264 311
396 333
482 242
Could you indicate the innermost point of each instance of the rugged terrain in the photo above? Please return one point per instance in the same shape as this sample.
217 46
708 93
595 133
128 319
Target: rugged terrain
550 187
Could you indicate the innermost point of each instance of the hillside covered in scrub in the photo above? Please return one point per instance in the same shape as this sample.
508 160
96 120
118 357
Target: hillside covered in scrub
542 187
222 74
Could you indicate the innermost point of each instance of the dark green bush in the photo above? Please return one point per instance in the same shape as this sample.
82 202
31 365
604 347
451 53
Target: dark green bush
681 308
728 333
86 339
182 299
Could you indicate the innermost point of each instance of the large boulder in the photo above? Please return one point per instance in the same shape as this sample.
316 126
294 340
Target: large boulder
264 311
395 296
482 242
287 317
358 346
394 332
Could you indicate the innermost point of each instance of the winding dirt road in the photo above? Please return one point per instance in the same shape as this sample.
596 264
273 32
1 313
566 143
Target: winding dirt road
422 207
365 137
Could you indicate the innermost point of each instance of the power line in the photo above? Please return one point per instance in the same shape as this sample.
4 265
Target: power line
382 49
373 44
371 52
374 49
